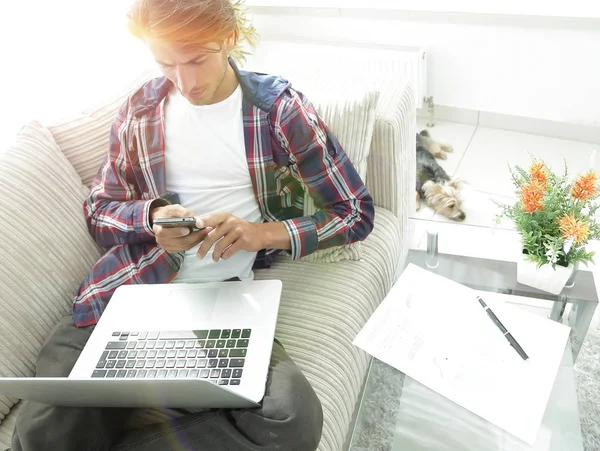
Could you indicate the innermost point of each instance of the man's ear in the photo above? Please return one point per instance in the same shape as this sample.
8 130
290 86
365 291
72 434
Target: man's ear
231 41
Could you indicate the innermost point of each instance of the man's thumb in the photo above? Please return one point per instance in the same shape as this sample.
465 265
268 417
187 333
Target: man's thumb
179 211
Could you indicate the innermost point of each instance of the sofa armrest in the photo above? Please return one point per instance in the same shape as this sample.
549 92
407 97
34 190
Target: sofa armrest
392 161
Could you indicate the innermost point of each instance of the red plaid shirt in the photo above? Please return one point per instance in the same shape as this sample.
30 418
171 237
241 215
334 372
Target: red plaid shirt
289 149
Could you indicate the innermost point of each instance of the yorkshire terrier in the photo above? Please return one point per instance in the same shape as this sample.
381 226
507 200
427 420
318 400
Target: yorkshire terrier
440 192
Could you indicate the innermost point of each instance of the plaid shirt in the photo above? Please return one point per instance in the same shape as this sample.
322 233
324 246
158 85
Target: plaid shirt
289 149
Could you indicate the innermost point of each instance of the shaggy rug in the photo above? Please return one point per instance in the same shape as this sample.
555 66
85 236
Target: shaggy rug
587 375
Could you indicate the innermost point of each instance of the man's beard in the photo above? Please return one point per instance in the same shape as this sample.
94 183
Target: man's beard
208 97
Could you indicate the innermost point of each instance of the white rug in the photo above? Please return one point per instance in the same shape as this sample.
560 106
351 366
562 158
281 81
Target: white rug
587 375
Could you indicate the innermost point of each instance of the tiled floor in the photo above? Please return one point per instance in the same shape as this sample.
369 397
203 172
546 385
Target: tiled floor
480 158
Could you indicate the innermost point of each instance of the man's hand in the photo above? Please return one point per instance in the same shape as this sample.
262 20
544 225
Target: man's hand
176 239
237 234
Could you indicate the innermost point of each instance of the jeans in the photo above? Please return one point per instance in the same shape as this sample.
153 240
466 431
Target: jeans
290 416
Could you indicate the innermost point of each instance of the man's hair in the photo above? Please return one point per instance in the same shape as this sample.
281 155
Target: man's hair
191 24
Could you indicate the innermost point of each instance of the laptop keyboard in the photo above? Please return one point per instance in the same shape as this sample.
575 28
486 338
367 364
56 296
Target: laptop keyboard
217 355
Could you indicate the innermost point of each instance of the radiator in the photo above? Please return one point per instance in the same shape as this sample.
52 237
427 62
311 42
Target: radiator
293 57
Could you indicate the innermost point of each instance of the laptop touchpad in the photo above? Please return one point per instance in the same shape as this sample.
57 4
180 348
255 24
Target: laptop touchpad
193 303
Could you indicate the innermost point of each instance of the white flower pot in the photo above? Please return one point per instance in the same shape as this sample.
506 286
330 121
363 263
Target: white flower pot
544 278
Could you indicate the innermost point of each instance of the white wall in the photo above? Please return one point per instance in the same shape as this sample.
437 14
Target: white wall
63 56
536 8
540 67
71 54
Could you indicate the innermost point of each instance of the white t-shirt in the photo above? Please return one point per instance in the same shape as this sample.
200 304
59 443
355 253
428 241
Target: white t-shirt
205 157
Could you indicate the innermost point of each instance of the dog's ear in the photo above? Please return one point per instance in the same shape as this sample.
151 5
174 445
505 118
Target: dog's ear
424 133
456 183
432 189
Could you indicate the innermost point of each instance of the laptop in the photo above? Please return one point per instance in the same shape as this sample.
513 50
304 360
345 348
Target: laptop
170 345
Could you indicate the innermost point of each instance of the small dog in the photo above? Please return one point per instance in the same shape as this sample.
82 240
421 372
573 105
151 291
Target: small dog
434 185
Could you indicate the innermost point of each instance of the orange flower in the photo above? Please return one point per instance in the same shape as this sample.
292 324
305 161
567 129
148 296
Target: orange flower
585 186
538 174
573 228
532 195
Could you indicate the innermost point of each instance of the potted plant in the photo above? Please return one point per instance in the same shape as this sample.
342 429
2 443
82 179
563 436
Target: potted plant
556 218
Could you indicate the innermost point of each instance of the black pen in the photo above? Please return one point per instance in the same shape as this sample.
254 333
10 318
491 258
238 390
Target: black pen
505 332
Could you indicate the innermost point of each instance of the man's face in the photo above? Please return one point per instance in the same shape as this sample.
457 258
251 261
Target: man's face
198 75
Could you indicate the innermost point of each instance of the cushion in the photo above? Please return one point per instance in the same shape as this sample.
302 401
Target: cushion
46 248
352 122
84 139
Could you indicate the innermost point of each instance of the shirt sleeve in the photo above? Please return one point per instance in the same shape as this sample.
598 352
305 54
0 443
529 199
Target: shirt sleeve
345 208
113 210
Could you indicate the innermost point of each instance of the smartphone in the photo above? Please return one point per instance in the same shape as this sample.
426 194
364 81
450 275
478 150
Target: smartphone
190 223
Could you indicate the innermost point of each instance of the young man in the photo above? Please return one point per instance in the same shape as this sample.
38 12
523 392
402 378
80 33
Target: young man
235 150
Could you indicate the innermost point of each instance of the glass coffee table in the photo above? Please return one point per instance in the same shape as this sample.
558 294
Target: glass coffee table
399 414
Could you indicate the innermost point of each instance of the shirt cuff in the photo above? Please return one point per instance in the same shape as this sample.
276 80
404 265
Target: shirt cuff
143 223
304 239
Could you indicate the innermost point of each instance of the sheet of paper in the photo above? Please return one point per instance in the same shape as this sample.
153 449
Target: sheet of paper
435 331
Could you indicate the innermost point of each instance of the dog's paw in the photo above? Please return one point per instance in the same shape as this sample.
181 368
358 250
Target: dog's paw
441 155
447 148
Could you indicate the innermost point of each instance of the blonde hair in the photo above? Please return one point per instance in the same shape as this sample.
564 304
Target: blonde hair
191 24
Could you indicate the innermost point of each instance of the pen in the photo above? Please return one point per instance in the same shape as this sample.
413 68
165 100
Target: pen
505 332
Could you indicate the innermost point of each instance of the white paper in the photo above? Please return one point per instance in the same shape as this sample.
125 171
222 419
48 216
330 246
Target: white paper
435 331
